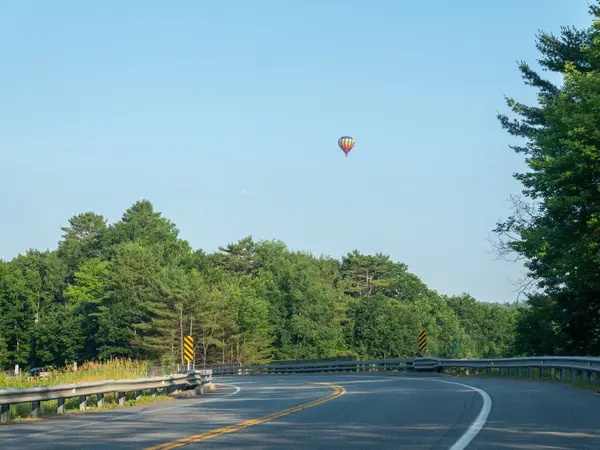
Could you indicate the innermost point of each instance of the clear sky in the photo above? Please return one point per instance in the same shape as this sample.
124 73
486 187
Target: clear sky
226 114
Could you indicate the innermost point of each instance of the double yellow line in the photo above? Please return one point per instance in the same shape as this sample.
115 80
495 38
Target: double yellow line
338 392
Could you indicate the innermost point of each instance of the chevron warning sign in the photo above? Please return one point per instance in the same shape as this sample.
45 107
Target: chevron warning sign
422 340
188 348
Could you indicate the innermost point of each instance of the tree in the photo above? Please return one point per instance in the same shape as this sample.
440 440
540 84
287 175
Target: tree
85 296
205 309
255 339
383 328
238 257
539 328
303 310
59 337
134 314
560 239
17 312
141 224
365 275
81 239
489 330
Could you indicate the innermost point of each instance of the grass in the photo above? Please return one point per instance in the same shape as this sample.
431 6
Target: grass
113 369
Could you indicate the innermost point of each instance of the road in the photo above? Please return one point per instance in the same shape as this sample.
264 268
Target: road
345 411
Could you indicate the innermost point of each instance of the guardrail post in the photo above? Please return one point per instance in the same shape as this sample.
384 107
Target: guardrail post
35 409
563 374
84 390
520 371
574 375
501 371
166 390
4 413
488 370
531 372
552 373
584 375
541 372
153 392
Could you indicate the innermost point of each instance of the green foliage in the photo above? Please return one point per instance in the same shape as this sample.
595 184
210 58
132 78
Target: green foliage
555 228
384 328
58 336
134 289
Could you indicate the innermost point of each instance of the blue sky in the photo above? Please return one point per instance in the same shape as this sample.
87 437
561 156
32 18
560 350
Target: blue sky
226 115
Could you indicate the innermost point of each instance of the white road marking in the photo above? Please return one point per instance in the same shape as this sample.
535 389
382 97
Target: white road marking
479 421
123 416
477 424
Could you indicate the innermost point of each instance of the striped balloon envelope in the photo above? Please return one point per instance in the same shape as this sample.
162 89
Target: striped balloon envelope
346 143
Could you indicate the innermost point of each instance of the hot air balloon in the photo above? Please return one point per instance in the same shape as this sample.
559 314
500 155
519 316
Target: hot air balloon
346 143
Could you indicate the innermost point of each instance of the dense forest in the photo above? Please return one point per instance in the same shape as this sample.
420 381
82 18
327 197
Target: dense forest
134 288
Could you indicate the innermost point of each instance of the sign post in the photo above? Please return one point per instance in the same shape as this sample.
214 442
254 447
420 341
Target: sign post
188 350
423 341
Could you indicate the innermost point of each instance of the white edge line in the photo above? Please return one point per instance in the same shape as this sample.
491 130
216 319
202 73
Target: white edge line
479 421
152 411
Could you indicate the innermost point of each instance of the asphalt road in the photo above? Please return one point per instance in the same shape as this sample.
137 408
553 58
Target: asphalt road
350 411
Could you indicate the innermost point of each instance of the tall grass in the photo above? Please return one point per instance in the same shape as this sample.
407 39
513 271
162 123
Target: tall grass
113 369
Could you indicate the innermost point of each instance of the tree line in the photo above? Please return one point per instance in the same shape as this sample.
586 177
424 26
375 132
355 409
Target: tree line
134 289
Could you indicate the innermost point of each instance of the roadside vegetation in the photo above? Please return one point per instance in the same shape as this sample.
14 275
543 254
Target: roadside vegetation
113 369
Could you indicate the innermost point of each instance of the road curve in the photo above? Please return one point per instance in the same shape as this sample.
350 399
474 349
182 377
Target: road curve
343 411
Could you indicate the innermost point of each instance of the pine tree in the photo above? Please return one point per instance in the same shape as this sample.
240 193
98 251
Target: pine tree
558 232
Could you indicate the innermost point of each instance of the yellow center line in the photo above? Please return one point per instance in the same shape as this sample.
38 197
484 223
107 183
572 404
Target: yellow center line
338 392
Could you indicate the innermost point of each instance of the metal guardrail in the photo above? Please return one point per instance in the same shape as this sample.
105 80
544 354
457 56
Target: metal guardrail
327 366
99 389
579 363
587 367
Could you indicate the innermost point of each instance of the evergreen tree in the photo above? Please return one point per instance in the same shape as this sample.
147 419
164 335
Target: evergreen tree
557 232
